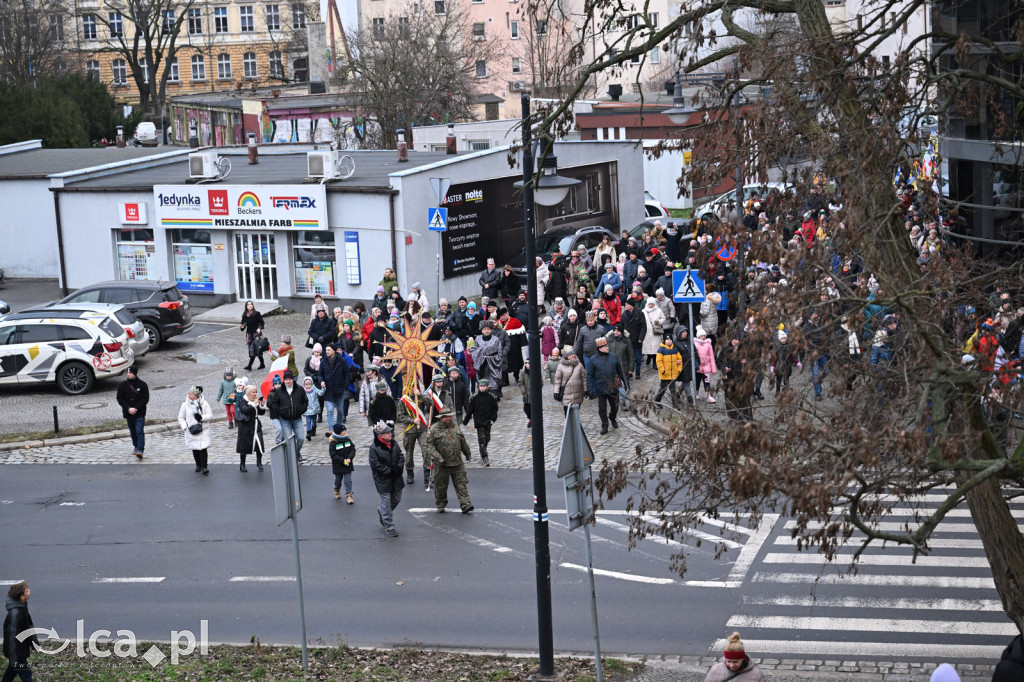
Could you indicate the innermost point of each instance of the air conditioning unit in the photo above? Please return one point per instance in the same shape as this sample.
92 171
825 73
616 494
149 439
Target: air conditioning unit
322 164
516 86
203 165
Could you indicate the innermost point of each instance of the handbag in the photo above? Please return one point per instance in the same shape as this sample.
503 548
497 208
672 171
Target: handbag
309 342
195 429
558 393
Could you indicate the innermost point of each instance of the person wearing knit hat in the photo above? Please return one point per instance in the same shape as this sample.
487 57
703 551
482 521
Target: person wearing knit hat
133 396
194 418
945 673
735 664
226 395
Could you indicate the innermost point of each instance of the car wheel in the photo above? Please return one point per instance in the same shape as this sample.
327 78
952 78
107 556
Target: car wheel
155 339
75 378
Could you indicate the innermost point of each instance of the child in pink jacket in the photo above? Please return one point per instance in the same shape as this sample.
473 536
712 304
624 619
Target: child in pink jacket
706 362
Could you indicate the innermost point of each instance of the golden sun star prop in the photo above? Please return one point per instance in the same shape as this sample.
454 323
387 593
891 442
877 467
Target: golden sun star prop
411 349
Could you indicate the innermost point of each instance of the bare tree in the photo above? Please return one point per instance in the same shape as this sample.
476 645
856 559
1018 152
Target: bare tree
416 70
552 36
286 38
914 418
32 40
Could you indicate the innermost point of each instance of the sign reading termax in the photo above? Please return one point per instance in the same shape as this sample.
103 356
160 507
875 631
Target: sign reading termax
283 207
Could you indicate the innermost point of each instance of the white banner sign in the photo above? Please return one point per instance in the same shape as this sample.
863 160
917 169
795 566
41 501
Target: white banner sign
241 207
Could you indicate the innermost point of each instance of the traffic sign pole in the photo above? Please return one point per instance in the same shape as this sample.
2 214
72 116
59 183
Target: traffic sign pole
693 364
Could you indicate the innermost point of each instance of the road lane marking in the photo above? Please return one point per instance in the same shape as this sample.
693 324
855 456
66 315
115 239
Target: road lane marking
933 543
145 579
749 552
71 504
966 605
901 625
860 579
10 582
621 576
862 650
693 532
902 526
262 579
924 561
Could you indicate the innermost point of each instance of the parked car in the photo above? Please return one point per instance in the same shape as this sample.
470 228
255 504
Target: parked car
145 134
691 228
72 351
157 304
138 337
564 241
725 205
654 208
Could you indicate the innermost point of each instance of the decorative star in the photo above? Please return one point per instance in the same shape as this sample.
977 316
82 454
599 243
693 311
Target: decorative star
411 349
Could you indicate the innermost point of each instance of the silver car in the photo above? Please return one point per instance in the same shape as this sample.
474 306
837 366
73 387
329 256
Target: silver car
138 336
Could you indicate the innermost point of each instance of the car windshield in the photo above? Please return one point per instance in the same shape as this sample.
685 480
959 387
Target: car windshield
549 243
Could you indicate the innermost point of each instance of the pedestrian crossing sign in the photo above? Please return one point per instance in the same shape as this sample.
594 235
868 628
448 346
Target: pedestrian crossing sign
687 286
437 219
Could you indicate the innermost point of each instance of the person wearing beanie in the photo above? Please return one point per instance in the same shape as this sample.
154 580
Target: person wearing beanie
322 330
226 394
736 665
133 396
287 405
946 673
313 406
286 350
483 410
386 463
654 320
704 351
194 417
343 453
781 361
382 406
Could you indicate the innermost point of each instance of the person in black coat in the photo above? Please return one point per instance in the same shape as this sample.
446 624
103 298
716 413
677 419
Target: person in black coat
386 464
636 327
334 379
382 407
250 430
558 283
1011 664
322 329
252 325
133 396
287 404
17 621
602 368
483 410
509 285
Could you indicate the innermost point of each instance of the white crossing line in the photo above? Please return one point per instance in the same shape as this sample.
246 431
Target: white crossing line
71 504
621 576
933 543
10 582
952 513
262 579
925 561
826 624
657 539
147 579
649 518
901 525
899 604
861 579
750 550
939 652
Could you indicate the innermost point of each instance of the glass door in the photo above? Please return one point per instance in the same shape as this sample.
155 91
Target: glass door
256 263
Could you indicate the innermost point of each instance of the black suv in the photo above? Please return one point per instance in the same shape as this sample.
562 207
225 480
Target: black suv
158 305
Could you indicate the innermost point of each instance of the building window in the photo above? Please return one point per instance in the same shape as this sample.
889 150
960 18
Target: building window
115 24
439 7
169 20
655 55
316 259
198 68
56 27
481 68
136 253
513 29
517 65
249 64
378 27
89 27
92 69
689 28
298 15
654 19
276 65
479 145
542 27
220 19
195 22
300 70
273 17
144 68
245 18
403 26
193 260
172 72
635 59
120 71
223 66
479 30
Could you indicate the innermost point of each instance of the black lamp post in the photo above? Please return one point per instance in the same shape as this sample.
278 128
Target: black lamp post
550 191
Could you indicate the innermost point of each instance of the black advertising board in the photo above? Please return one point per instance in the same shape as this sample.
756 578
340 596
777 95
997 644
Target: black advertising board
484 219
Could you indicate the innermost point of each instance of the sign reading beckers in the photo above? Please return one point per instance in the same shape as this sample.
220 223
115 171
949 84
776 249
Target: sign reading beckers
257 207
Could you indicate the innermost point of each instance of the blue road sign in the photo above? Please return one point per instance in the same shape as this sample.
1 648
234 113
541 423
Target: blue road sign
437 219
687 286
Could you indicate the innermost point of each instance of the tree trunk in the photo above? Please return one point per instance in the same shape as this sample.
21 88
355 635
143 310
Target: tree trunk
1004 545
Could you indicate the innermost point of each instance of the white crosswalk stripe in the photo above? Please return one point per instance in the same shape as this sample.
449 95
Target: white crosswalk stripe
940 606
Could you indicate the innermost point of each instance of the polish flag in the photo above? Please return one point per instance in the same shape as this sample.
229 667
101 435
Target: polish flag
414 409
277 368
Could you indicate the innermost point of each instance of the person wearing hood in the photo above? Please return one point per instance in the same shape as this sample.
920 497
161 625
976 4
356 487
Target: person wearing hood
250 430
386 464
389 281
542 283
487 357
736 664
670 366
194 417
709 313
16 622
705 360
313 406
133 397
654 319
226 394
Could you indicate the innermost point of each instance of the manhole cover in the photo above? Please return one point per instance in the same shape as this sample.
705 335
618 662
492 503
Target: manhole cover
90 406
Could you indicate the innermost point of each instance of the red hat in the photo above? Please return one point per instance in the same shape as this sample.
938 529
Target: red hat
654 251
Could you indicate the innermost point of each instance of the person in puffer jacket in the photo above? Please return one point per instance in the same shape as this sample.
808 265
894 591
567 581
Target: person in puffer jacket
313 410
709 314
705 361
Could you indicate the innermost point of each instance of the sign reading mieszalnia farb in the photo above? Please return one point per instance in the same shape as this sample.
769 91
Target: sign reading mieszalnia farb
244 207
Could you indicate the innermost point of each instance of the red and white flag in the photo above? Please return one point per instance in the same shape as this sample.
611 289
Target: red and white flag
277 368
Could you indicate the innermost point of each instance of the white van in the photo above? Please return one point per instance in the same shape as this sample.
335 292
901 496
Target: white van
145 134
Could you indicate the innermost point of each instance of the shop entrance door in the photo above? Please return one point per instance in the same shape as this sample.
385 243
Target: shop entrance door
257 266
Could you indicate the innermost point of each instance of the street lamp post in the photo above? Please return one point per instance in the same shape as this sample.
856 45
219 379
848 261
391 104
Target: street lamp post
551 190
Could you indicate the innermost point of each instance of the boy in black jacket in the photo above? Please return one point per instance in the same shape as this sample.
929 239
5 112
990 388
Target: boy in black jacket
343 451
382 406
483 408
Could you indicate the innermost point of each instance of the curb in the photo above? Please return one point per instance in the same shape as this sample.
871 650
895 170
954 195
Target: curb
155 427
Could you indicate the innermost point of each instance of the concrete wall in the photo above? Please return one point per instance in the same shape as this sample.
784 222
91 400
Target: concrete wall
28 229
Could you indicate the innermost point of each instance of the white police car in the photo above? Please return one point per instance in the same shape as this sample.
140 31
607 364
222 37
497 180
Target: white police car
71 351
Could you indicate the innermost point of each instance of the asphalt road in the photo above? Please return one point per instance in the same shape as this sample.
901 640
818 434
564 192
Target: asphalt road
156 548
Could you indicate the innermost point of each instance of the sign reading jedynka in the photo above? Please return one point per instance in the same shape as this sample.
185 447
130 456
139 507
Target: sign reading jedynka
279 207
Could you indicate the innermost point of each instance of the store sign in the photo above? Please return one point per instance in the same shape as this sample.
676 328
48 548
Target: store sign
241 207
476 213
133 213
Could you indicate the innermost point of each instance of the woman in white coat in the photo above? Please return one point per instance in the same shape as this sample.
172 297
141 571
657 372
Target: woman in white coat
194 419
654 318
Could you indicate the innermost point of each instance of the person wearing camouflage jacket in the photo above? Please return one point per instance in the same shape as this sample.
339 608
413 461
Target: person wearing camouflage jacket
447 446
